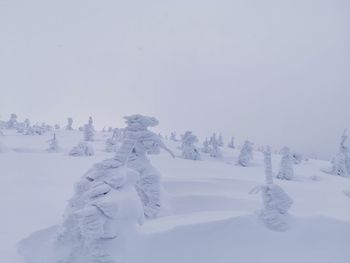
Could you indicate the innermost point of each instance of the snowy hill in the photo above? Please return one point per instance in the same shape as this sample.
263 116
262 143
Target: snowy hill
209 213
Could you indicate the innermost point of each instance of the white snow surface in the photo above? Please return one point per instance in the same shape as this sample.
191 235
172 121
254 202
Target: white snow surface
209 214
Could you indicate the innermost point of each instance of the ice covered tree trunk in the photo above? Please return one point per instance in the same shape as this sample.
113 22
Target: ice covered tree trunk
246 154
232 143
276 202
69 126
189 150
286 171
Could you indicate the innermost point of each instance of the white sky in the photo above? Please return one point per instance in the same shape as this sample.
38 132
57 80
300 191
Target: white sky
277 72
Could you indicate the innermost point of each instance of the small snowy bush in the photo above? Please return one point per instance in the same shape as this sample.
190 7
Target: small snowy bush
82 149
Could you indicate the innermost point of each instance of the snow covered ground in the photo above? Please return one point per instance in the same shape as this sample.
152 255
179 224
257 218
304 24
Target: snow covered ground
209 214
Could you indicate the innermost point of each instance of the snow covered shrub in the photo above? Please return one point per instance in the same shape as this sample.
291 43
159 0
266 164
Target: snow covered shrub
69 126
206 146
276 202
12 122
82 149
189 150
57 127
231 144
286 171
246 154
53 144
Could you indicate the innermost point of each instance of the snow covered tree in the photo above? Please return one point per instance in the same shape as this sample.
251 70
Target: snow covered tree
105 205
231 144
286 171
88 132
220 141
206 146
91 123
69 126
246 154
276 201
82 149
53 144
173 136
189 150
215 150
12 122
341 162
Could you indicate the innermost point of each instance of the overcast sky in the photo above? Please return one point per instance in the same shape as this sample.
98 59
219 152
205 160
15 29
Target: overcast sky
276 72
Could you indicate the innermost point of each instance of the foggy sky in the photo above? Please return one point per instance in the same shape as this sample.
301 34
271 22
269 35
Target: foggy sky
275 72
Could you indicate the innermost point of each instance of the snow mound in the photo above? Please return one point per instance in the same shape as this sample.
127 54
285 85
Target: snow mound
214 237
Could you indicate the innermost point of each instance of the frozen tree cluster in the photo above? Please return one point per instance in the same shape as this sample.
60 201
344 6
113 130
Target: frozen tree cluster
189 150
276 201
82 149
286 171
246 154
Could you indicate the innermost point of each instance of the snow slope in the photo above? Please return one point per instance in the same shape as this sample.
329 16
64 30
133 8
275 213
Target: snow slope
209 214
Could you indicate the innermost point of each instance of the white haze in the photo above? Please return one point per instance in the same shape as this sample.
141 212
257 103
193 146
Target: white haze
276 72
